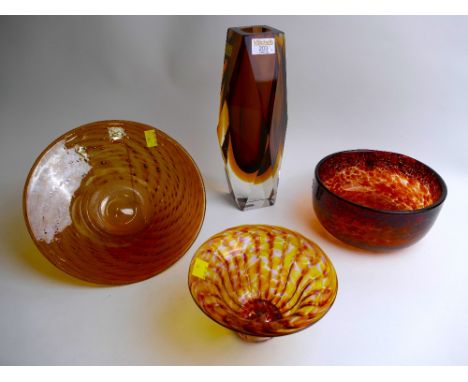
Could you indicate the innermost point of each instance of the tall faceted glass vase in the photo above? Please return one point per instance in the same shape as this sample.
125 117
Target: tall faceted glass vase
253 113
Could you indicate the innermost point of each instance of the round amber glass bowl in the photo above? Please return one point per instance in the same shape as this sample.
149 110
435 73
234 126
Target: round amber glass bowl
262 281
114 202
376 200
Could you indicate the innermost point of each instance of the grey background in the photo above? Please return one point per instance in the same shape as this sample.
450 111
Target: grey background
394 83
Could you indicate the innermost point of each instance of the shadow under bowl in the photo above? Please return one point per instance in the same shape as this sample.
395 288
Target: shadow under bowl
114 202
376 200
262 281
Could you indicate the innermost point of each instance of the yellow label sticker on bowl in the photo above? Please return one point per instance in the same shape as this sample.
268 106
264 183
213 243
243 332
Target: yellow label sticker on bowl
151 140
199 268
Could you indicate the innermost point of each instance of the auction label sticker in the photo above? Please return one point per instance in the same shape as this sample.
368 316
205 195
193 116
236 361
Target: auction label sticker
263 46
151 140
199 268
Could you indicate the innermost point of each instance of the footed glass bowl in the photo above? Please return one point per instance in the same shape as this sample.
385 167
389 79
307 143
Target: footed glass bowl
262 281
376 200
114 202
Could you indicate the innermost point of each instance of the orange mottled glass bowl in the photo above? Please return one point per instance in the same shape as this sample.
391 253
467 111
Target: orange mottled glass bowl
114 202
262 281
376 200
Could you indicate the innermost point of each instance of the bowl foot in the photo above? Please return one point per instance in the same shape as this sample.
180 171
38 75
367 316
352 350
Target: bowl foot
248 338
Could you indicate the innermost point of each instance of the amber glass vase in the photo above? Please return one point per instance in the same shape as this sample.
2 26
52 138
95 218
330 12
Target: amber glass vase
253 115
114 202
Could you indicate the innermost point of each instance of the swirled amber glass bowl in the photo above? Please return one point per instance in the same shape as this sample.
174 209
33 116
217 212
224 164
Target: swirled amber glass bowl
262 281
114 202
376 200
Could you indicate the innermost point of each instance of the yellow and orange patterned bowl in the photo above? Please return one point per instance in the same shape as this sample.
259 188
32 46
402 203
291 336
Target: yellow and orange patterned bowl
262 281
114 202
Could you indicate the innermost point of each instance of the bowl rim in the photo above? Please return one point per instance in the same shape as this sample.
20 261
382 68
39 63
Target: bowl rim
437 203
110 121
273 335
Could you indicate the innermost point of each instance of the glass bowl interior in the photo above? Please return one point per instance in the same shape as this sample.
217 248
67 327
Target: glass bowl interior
114 202
262 280
381 180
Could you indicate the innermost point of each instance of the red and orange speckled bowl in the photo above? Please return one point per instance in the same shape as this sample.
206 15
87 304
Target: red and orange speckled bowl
376 200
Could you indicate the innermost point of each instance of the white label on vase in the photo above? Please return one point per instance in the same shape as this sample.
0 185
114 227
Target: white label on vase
263 46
